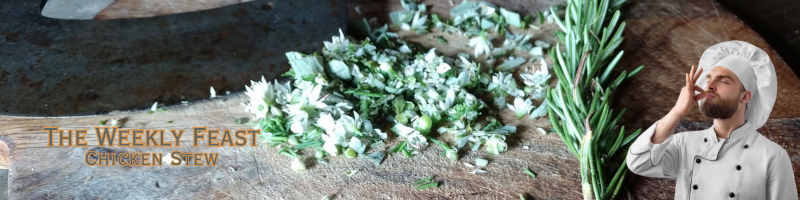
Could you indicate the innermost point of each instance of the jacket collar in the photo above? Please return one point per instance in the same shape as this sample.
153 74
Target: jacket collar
711 150
738 133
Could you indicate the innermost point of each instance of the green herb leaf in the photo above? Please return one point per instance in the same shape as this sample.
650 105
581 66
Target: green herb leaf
376 157
481 163
511 64
340 69
303 65
426 179
432 184
350 153
511 18
423 124
530 173
241 120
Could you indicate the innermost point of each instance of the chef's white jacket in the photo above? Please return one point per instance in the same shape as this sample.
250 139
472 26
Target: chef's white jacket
745 166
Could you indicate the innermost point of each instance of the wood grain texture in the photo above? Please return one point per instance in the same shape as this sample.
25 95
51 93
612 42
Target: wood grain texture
665 36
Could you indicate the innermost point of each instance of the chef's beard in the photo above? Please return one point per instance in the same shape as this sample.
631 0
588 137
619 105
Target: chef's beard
720 108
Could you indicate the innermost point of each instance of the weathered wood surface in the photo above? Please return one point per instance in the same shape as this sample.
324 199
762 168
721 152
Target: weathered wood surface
666 36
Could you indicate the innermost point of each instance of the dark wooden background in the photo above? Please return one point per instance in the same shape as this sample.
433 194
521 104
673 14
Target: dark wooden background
777 21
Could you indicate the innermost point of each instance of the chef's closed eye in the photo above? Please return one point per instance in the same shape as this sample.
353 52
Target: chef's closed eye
721 78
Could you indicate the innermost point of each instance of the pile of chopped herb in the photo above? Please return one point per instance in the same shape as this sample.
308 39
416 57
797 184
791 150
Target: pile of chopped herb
354 95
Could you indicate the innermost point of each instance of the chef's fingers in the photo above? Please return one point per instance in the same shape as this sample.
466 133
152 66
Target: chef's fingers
702 93
687 80
699 89
697 75
699 96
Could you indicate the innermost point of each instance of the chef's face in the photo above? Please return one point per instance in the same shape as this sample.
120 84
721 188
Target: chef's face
726 94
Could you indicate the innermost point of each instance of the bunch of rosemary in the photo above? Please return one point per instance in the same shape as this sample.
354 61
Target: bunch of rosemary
579 106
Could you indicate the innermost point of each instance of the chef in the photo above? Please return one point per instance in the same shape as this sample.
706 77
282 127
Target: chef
736 86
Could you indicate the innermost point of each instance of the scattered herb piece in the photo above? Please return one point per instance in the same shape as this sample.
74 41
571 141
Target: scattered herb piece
213 92
481 163
298 164
530 173
241 120
431 184
153 108
376 157
426 179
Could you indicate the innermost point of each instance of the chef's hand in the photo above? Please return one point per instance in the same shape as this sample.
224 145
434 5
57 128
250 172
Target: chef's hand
686 101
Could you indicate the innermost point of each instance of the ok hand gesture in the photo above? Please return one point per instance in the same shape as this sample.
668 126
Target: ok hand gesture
687 99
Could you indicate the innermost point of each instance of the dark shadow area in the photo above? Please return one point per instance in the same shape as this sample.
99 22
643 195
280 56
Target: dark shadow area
777 21
56 67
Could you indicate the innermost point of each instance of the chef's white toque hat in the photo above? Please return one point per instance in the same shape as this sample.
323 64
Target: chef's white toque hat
755 70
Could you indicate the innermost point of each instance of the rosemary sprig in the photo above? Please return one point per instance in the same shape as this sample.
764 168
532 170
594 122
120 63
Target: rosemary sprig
580 105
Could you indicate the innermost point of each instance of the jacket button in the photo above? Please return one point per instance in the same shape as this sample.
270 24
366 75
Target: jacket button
745 146
705 139
731 195
697 160
738 167
694 187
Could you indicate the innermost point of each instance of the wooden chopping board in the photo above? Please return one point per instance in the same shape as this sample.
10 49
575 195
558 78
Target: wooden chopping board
666 36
